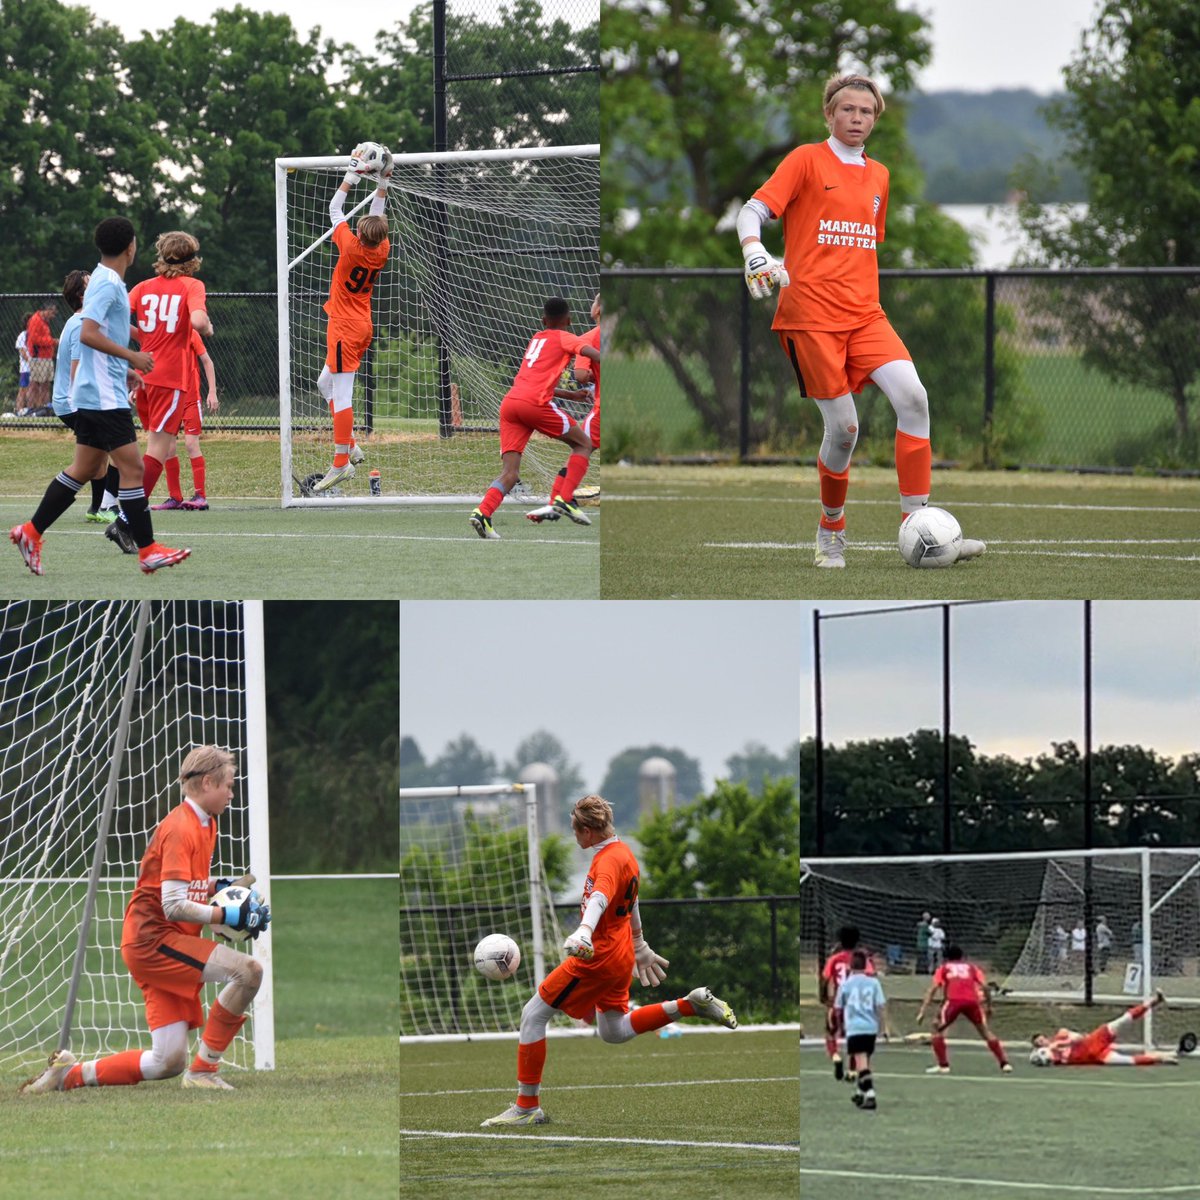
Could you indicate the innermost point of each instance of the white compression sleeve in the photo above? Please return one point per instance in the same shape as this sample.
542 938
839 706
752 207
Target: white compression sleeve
336 205
750 219
594 910
177 907
378 205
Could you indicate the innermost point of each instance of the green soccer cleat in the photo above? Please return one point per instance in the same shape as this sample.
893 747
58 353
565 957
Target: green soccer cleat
571 510
515 1115
51 1079
831 548
101 516
483 526
705 1004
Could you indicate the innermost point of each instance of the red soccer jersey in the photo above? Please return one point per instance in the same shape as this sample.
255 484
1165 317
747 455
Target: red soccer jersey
354 277
162 310
547 354
837 968
194 356
963 981
614 872
592 338
38 342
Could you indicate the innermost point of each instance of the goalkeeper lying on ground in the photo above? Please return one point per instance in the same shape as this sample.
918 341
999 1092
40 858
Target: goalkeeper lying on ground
1070 1049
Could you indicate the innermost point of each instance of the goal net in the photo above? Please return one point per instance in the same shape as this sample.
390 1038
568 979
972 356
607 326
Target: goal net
64 670
1099 929
479 242
472 862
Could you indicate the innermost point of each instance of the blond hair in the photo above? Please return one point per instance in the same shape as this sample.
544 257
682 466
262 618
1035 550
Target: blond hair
593 812
838 82
204 760
372 230
178 254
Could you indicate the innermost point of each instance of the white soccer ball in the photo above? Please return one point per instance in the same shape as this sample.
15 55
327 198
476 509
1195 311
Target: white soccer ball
497 956
231 896
930 537
1041 1057
371 157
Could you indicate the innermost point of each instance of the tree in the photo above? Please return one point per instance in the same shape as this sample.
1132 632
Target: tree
1132 123
620 786
543 746
754 763
463 761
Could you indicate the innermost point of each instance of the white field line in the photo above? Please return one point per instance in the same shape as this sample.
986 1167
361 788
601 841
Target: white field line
940 1183
1051 1077
593 1087
717 498
538 1138
1033 552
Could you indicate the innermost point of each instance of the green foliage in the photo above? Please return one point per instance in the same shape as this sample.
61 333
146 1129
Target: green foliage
463 761
754 764
543 746
620 785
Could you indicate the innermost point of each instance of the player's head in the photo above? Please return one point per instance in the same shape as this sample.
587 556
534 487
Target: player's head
556 313
848 937
954 953
592 821
858 960
206 774
74 286
852 105
1038 1040
372 230
178 254
115 238
597 307
47 310
1041 1057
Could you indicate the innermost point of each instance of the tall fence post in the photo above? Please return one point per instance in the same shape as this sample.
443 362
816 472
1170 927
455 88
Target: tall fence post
744 406
989 363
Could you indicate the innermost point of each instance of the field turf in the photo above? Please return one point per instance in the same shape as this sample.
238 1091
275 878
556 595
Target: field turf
740 532
979 1135
700 1115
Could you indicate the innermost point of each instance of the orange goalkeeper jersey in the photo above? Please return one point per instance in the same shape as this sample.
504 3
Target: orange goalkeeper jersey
614 872
354 277
181 848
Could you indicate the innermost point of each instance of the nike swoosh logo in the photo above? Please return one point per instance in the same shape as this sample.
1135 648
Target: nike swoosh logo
830 186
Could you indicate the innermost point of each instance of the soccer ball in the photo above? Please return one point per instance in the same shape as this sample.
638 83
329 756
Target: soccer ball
497 956
1041 1057
373 159
930 537
230 896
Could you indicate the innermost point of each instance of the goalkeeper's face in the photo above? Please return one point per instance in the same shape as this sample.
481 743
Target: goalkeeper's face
853 116
215 792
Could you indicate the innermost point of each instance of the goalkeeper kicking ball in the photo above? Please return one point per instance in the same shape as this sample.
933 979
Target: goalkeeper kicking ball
497 957
930 537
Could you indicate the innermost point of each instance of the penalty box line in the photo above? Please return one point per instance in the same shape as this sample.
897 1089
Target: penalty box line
578 1139
1057 1189
589 1087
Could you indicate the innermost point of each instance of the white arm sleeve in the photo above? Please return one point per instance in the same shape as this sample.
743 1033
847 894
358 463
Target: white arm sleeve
635 922
378 205
177 907
750 219
596 905
335 207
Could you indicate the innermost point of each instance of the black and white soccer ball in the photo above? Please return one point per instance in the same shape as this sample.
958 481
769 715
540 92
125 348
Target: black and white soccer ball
497 957
930 537
230 897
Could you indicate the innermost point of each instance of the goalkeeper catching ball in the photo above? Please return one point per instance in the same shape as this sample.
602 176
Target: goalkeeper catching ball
1098 1048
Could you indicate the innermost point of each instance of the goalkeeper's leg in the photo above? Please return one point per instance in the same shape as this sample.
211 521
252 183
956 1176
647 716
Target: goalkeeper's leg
338 389
531 1058
242 976
166 1057
1136 1013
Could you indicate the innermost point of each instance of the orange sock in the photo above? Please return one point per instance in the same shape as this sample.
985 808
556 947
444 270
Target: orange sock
913 465
834 485
685 1008
652 1016
531 1058
343 434
171 470
219 1030
116 1069
577 466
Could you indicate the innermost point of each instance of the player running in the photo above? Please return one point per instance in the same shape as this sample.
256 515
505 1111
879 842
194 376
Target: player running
964 987
833 202
862 1011
833 975
350 329
602 955
1070 1049
164 953
529 406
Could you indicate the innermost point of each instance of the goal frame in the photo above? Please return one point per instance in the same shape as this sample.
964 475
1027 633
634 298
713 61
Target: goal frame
289 498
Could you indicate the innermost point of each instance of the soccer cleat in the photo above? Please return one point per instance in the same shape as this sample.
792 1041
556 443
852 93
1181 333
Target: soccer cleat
851 1077
831 548
936 1070
120 534
356 454
197 503
51 1079
515 1115
857 1100
483 526
1159 998
168 505
206 1079
156 556
970 548
705 1004
1006 1068
868 1105
839 1069
546 513
568 508
30 547
332 476
101 516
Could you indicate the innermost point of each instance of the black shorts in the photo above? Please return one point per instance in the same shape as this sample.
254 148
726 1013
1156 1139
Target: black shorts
104 429
861 1043
68 419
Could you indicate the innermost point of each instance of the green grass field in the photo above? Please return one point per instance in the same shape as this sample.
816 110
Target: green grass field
739 532
323 1123
980 1135
246 545
700 1115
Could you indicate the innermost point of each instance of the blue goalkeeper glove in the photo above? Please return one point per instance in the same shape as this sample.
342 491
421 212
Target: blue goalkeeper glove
252 915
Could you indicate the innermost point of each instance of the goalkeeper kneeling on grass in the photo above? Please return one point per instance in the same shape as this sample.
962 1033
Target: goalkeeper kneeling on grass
602 955
164 953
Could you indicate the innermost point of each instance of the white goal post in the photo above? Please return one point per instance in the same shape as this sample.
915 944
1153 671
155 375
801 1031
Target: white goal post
479 241
99 702
1063 928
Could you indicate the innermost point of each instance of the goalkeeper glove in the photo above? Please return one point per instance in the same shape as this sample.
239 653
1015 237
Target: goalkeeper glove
357 169
252 915
762 271
579 944
650 968
385 168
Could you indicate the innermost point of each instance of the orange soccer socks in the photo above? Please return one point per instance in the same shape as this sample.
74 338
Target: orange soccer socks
343 435
219 1031
116 1069
913 470
531 1058
834 485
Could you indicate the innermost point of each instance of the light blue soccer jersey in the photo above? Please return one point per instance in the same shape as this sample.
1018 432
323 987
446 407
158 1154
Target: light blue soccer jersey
860 998
100 380
68 351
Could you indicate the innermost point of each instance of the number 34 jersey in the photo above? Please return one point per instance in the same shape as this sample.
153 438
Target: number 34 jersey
162 311
354 276
614 872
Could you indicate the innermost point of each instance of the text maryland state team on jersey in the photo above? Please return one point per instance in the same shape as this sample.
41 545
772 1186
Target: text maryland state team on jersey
846 233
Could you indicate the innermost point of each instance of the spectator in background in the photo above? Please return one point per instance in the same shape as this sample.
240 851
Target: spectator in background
40 347
937 944
923 944
22 367
1061 941
1104 937
1135 938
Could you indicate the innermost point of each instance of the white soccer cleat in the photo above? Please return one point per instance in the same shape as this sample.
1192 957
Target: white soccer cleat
332 476
51 1079
207 1079
705 1004
356 454
515 1115
831 547
546 513
936 1070
970 548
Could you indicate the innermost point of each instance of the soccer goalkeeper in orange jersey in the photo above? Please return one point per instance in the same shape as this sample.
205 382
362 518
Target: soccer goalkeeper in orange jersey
602 956
1097 1049
361 257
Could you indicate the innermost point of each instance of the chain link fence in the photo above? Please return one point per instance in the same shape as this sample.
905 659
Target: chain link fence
1087 370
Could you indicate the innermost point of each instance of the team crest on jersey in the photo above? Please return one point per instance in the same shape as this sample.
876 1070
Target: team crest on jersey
875 207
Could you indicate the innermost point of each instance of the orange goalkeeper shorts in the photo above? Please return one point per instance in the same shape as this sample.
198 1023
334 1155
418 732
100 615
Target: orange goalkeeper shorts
576 989
831 364
170 974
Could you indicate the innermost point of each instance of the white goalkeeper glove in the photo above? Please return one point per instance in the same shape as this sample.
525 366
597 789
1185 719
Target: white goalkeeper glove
579 944
384 172
650 968
762 271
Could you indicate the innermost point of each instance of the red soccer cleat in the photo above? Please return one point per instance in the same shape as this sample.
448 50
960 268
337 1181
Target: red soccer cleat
30 545
156 556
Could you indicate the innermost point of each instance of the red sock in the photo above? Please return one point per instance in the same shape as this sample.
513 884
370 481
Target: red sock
651 1016
116 1069
557 482
997 1050
913 464
491 501
171 470
1146 1060
939 1050
685 1008
151 470
830 1045
343 434
1138 1011
531 1058
577 466
834 485
198 475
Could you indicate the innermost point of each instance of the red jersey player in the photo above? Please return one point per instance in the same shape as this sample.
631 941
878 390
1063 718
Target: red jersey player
964 989
833 975
529 406
1096 1049
602 956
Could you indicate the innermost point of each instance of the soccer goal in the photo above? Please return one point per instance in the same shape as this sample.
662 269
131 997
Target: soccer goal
479 241
1099 927
99 702
471 863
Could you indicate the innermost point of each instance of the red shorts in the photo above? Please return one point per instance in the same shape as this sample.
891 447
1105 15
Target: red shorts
519 418
345 346
829 365
591 426
953 1009
577 989
163 411
192 419
1093 1048
143 409
170 976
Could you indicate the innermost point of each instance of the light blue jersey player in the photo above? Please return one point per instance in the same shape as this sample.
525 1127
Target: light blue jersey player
100 382
863 1008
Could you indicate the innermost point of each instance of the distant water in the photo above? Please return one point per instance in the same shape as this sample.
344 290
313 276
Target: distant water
996 235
